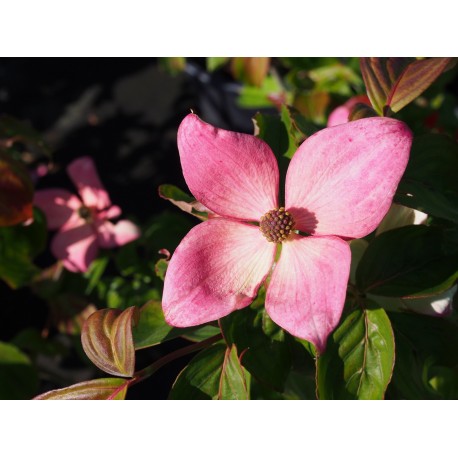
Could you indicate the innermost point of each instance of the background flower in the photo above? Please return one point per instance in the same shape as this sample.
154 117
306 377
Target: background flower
83 224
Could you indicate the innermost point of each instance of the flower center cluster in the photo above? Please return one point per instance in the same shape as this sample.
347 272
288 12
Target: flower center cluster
276 225
85 213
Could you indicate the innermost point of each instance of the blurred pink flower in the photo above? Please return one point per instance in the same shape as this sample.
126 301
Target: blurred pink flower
83 224
340 114
340 184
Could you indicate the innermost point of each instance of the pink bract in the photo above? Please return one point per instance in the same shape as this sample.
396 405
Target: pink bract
340 184
340 114
83 224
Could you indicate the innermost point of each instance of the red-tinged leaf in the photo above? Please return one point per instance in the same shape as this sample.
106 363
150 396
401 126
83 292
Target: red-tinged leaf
233 383
184 201
108 342
379 75
16 192
360 111
414 80
395 81
100 389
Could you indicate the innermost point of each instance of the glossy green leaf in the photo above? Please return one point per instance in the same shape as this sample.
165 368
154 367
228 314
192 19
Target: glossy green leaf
151 328
18 378
107 340
396 81
16 192
183 201
430 183
359 359
215 373
361 111
100 389
407 261
262 344
273 131
335 78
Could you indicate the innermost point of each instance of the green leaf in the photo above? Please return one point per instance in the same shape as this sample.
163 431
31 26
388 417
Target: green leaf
95 272
18 378
262 344
396 81
233 383
100 389
183 201
359 360
429 183
273 131
151 328
336 78
18 246
214 373
297 127
16 192
213 63
259 97
161 268
107 340
405 262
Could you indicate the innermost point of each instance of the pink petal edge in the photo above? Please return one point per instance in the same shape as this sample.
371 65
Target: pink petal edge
307 290
233 174
217 268
342 180
58 205
111 235
84 175
76 247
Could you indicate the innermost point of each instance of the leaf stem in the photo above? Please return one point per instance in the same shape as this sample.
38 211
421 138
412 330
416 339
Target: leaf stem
154 367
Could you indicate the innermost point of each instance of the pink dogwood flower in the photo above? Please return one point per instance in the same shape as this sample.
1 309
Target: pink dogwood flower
83 224
340 184
340 114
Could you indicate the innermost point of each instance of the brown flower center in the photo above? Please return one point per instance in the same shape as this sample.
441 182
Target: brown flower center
276 225
85 213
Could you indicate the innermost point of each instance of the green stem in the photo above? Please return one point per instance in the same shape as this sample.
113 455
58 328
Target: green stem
148 371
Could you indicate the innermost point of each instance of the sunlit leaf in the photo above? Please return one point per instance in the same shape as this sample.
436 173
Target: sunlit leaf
151 328
184 201
16 192
359 359
18 378
100 389
396 81
107 340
